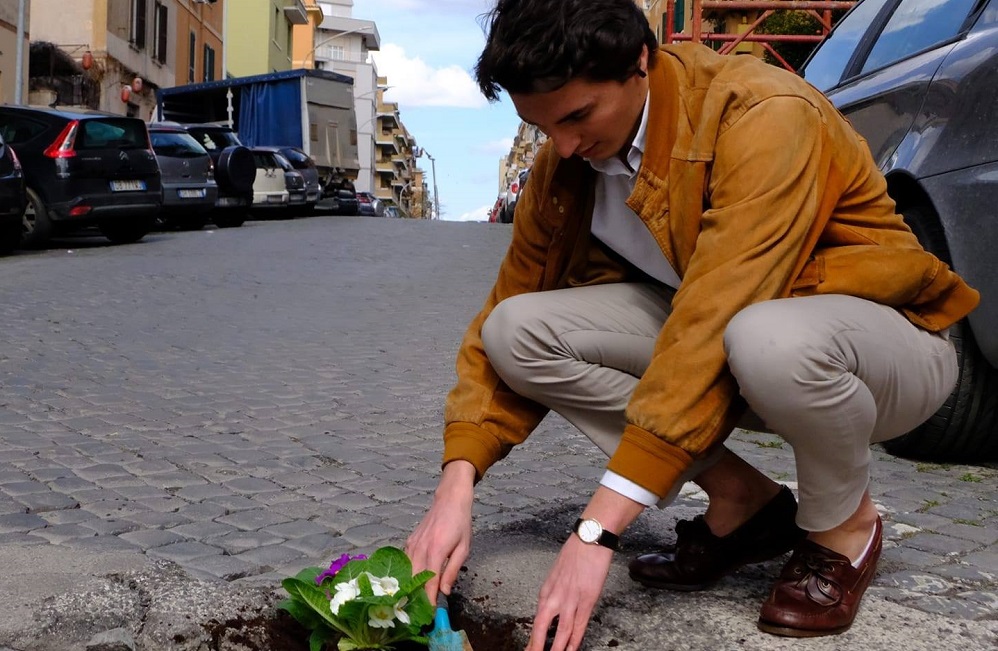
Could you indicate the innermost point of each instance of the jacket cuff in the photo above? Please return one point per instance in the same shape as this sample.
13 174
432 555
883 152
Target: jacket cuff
648 461
473 444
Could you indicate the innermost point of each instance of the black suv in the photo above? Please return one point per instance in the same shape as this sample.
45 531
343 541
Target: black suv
83 168
919 80
235 171
13 198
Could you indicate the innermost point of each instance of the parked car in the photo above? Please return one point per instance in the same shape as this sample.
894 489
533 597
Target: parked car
270 191
188 177
919 80
343 202
235 172
510 196
496 210
83 168
393 212
294 182
13 198
310 173
369 205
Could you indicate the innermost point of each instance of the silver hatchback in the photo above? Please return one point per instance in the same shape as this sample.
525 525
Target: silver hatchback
189 188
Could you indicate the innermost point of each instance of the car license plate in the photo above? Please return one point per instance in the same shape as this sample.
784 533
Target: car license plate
275 198
191 194
128 186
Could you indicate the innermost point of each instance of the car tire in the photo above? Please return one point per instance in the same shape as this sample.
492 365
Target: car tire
126 231
230 219
236 170
36 226
965 428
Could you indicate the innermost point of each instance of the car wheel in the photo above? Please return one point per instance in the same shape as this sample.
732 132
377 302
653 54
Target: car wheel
966 427
126 231
228 219
36 227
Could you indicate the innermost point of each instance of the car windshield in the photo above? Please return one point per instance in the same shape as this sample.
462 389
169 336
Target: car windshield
214 139
176 144
297 158
111 134
265 160
283 162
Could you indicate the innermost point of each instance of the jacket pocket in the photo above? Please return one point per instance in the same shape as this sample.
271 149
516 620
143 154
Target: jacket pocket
812 275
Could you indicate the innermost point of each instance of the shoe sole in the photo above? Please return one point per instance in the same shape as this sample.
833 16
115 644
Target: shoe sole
789 631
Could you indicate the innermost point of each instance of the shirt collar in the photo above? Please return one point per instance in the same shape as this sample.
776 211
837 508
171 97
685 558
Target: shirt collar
614 166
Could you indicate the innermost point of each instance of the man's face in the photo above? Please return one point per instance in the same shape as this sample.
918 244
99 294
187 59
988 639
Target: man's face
591 119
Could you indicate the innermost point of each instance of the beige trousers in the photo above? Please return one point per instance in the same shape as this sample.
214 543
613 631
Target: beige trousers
829 374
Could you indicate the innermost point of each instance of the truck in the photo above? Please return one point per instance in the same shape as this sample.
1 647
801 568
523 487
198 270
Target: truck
309 109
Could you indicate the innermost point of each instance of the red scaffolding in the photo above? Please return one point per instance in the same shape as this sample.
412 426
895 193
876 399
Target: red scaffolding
820 9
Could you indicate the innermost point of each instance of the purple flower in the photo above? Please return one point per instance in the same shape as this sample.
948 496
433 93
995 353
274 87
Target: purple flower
336 566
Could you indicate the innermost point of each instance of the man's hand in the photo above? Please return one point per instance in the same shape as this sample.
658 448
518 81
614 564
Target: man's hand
442 540
570 593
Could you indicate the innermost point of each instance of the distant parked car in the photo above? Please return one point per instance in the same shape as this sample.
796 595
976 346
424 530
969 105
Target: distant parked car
393 212
496 210
235 172
370 205
919 80
344 202
294 181
83 168
310 173
270 191
13 198
188 176
511 195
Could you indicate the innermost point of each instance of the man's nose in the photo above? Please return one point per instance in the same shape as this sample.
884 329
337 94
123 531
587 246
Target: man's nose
565 143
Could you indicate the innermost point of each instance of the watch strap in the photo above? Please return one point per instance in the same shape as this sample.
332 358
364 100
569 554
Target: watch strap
607 539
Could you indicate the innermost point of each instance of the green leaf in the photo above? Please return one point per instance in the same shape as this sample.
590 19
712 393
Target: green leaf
314 598
416 582
309 574
301 611
419 608
390 561
319 638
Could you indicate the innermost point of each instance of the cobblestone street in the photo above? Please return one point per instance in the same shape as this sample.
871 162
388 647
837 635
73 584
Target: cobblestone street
245 402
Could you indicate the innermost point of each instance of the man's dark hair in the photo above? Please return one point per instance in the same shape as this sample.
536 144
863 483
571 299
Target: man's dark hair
536 46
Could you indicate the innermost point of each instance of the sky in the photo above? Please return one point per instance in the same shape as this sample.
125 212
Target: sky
428 52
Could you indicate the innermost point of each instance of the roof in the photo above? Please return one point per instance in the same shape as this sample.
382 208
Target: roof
236 82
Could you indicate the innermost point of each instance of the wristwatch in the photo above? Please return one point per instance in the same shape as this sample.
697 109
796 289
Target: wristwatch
591 532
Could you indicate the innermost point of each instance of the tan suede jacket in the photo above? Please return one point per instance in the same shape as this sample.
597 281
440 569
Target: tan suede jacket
756 188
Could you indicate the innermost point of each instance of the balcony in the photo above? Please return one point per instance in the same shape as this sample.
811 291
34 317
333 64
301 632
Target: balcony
296 13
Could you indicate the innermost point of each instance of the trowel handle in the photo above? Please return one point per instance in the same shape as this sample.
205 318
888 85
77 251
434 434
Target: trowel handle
441 619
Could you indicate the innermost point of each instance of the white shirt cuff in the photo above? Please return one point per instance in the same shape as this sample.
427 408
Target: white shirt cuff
627 488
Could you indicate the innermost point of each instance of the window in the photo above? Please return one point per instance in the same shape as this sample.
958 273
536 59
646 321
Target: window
138 27
337 52
192 50
175 145
289 38
111 134
209 63
829 62
916 26
277 24
161 25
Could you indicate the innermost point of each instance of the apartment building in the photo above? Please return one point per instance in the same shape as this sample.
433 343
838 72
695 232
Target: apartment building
200 40
110 55
249 24
395 162
8 51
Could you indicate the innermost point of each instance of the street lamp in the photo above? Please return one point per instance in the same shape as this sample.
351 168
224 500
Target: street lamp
311 53
419 152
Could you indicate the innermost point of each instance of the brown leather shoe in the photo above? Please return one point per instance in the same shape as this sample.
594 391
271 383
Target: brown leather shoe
699 558
819 590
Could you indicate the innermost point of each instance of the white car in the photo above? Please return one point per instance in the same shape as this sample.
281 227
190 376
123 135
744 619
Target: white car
269 188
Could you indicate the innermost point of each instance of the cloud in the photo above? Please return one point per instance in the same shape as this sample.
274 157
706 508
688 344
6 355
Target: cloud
441 6
414 83
477 215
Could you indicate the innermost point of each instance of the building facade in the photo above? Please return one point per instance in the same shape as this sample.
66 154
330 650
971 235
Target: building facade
110 55
200 40
8 51
251 23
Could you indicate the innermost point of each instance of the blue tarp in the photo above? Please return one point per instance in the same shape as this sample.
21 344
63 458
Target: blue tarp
257 106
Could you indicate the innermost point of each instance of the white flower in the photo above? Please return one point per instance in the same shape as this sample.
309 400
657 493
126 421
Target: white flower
381 617
385 585
346 591
400 614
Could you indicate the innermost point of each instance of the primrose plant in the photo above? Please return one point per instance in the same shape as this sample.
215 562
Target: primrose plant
360 602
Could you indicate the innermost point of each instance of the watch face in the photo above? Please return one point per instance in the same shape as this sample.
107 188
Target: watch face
590 531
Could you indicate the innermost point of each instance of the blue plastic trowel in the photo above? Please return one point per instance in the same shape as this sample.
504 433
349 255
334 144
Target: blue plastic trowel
443 637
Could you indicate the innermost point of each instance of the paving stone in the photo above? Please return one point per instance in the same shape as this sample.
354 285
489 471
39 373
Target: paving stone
369 534
51 474
944 545
317 544
60 533
109 528
49 501
21 523
161 504
184 551
252 486
101 471
175 479
916 582
986 561
19 488
951 607
202 512
202 492
295 529
158 519
237 542
140 491
964 573
233 503
151 538
203 530
271 556
227 568
21 539
979 534
253 520
103 544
